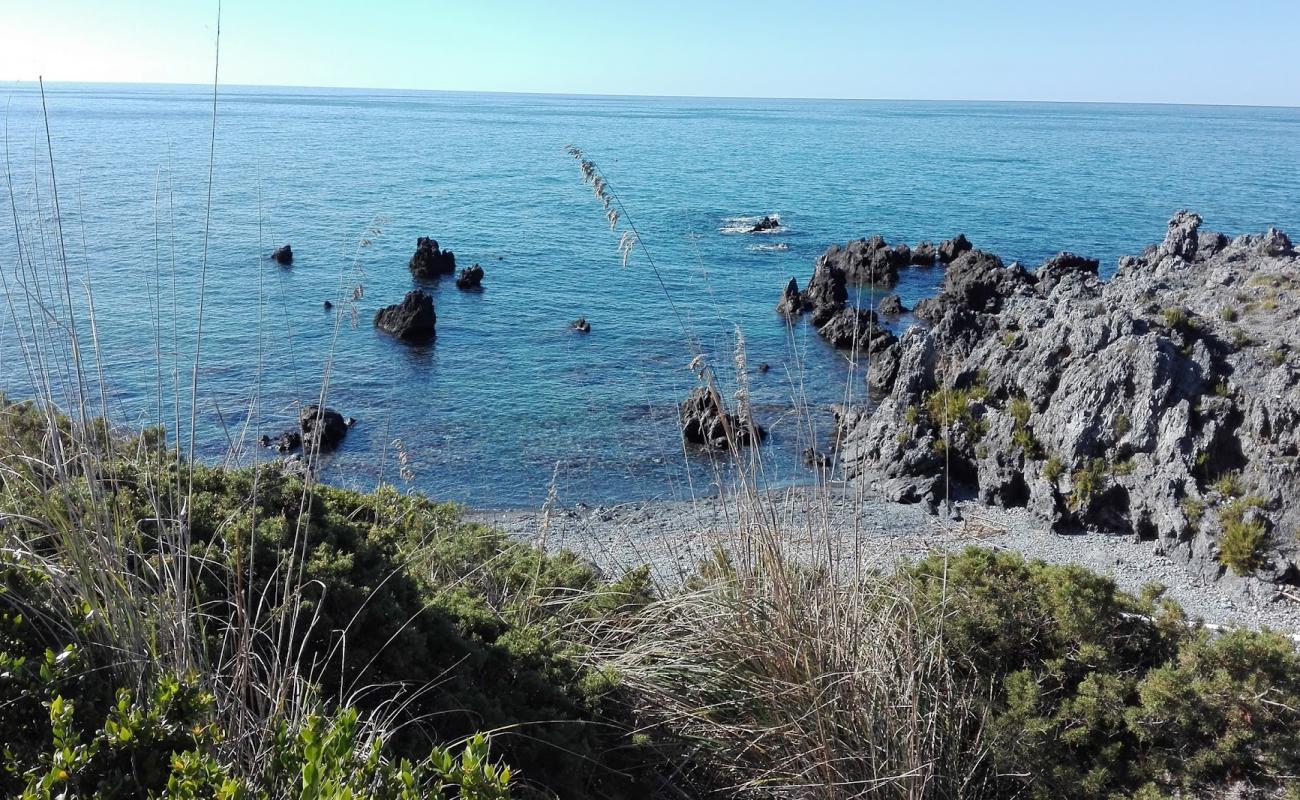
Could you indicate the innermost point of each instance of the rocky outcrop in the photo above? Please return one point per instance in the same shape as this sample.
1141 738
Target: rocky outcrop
470 278
951 248
430 261
870 261
581 325
891 305
706 421
1161 403
282 255
856 329
412 320
924 254
320 430
766 224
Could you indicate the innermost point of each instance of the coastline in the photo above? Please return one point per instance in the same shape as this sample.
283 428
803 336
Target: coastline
869 532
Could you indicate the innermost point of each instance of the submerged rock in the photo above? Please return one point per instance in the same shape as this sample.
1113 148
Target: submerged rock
1161 403
282 255
706 421
767 223
581 325
430 261
412 320
470 278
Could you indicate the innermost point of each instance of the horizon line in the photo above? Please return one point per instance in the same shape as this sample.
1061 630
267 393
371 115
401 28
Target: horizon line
208 86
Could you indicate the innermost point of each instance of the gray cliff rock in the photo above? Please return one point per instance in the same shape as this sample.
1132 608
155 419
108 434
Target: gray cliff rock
1163 403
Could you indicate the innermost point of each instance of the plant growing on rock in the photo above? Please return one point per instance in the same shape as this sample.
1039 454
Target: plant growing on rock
1242 539
1053 469
1086 482
1229 484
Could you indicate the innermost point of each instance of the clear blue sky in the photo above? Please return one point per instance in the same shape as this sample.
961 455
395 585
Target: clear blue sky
1187 51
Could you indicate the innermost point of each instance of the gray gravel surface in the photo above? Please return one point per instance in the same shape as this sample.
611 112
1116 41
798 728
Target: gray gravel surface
865 532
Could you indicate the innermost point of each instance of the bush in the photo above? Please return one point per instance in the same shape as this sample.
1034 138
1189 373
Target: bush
1242 540
1087 482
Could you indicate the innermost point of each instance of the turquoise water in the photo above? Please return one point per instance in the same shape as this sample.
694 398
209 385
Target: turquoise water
507 397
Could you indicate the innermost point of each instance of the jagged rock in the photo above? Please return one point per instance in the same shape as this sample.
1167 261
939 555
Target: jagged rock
470 278
1181 239
826 291
949 249
870 261
322 429
791 303
924 254
763 368
1275 244
282 255
1107 405
328 305
581 325
767 223
856 328
705 421
412 320
891 306
431 261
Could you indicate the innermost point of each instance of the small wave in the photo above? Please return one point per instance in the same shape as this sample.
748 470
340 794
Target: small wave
746 224
775 247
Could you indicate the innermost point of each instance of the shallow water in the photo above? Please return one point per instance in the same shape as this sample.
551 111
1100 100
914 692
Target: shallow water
508 399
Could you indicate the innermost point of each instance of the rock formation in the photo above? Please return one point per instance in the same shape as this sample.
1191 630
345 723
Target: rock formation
470 278
581 325
706 421
430 261
412 320
1161 403
767 223
282 255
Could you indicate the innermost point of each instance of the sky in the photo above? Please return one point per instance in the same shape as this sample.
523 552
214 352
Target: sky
1187 51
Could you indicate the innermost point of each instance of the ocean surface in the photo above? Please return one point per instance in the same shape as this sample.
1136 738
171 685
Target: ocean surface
508 403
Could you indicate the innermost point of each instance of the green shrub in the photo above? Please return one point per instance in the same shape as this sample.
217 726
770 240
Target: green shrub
1277 357
1125 467
1087 482
1228 314
1242 541
1175 318
1229 484
1122 425
1053 469
1009 339
1193 509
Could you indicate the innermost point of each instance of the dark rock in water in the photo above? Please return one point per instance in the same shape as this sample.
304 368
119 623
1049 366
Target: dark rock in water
705 421
891 306
951 248
1103 405
282 255
763 368
826 290
285 442
766 224
870 261
815 459
430 261
858 329
322 429
791 303
412 320
581 325
470 278
924 254
350 421
328 305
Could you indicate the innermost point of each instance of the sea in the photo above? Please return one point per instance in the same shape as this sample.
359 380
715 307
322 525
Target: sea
154 249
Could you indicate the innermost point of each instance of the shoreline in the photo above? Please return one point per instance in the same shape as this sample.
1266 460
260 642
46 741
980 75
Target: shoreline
673 536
